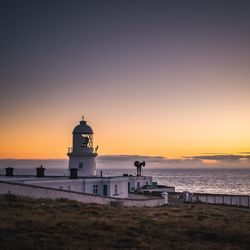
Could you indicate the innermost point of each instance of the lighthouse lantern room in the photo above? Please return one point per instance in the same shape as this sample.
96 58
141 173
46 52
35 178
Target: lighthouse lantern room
82 154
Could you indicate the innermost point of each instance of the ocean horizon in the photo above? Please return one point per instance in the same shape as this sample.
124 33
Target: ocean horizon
203 180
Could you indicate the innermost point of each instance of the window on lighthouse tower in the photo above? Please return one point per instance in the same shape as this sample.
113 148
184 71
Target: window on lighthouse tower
85 140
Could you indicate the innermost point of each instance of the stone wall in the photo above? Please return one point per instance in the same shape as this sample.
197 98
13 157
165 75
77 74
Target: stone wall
51 193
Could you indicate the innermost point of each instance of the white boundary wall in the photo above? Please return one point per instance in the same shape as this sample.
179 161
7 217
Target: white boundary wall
222 199
51 193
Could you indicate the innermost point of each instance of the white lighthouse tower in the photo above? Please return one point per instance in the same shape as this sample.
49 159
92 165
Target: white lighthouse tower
82 154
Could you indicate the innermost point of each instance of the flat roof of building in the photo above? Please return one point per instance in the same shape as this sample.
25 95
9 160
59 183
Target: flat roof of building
22 178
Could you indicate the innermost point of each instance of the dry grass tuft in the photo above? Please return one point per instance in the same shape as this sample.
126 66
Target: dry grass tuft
63 224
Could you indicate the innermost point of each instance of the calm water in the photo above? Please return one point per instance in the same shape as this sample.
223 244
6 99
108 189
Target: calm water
229 181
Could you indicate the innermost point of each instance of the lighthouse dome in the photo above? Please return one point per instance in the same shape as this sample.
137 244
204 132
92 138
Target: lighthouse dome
83 128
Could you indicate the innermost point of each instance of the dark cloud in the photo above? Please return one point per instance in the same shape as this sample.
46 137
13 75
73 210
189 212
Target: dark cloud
31 163
132 158
196 161
150 160
127 161
218 157
212 154
153 160
124 161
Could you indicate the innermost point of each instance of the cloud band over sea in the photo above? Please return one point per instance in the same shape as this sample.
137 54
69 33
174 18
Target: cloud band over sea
208 160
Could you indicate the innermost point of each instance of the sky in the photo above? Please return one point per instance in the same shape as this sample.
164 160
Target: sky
158 79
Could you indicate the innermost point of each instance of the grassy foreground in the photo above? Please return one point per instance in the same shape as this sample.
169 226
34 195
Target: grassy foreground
62 224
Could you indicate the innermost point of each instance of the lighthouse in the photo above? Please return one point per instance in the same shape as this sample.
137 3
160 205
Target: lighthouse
82 154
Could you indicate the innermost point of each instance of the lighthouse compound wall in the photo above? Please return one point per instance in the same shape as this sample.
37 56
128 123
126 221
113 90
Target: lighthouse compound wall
52 193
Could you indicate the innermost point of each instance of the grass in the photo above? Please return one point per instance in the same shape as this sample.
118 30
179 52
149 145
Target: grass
63 224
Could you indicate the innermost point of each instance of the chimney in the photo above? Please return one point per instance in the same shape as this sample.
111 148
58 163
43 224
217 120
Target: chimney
9 171
73 173
40 171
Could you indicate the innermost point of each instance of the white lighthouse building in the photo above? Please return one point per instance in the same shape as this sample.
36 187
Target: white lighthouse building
82 154
82 176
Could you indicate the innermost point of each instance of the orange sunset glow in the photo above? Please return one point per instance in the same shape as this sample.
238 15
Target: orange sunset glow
162 88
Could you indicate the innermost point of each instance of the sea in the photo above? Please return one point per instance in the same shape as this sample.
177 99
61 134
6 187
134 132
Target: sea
198 180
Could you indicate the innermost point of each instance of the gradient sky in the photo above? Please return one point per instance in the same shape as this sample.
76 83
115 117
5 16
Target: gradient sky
155 78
